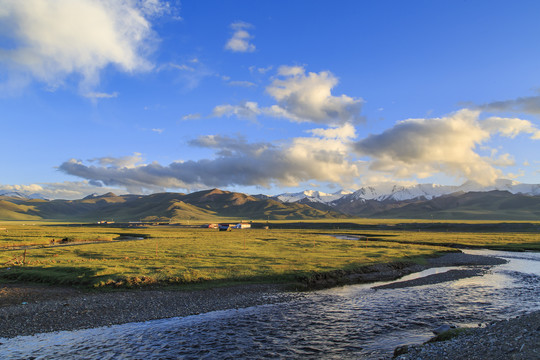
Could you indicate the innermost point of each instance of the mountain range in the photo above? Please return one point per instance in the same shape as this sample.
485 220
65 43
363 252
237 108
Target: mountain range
393 192
505 200
212 204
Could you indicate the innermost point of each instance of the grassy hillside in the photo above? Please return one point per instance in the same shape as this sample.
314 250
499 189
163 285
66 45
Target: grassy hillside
11 211
176 207
215 204
493 205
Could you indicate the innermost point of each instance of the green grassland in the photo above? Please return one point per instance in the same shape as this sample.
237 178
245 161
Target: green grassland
174 255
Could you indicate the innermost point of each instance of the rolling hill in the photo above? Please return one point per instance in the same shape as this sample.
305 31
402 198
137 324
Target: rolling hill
491 205
215 205
203 205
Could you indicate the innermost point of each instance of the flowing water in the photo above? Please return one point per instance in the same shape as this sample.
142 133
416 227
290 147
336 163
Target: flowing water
351 322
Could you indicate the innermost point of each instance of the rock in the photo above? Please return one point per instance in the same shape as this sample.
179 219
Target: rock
400 350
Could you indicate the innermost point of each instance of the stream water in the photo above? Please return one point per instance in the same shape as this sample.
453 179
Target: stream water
351 322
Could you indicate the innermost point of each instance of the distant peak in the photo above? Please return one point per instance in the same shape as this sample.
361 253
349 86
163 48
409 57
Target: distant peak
96 195
215 191
14 194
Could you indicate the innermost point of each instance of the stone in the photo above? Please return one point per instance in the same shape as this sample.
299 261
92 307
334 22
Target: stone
400 350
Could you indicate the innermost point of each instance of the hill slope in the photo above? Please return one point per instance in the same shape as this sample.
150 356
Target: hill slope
492 205
204 205
215 204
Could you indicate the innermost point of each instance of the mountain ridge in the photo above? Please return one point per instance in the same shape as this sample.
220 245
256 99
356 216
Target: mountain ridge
396 192
211 204
506 200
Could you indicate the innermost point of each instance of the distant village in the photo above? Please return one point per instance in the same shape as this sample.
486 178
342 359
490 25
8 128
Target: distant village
219 226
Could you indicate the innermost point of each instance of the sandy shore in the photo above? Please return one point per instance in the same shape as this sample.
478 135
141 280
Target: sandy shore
29 309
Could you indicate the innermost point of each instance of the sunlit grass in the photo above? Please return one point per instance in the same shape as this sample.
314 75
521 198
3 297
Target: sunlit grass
177 255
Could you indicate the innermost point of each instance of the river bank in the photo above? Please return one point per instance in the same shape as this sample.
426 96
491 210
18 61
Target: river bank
516 338
29 309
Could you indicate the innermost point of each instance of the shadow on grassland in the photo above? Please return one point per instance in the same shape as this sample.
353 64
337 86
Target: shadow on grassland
54 275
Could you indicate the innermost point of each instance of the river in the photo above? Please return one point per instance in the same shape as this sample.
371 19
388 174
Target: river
350 322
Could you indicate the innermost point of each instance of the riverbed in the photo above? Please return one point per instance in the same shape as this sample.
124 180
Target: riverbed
349 322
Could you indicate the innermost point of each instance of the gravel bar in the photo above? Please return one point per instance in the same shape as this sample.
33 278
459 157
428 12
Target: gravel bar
79 310
478 264
517 338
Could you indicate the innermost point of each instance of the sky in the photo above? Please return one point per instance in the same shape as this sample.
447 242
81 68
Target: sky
145 96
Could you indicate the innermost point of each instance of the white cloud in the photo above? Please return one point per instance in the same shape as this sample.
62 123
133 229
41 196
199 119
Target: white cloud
194 116
159 131
101 95
301 98
424 147
248 110
119 162
308 97
52 39
240 40
413 149
324 157
511 127
344 132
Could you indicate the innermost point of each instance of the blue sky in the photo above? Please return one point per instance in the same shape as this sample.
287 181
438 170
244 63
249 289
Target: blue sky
266 96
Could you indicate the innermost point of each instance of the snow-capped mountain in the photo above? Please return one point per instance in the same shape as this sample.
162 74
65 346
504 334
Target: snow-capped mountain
312 196
22 195
13 194
394 192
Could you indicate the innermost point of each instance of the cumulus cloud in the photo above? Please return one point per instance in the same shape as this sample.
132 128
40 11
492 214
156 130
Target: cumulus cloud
423 147
49 40
511 127
455 145
300 97
308 97
324 157
240 40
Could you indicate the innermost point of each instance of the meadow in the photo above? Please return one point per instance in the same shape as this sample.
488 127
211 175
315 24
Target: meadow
95 257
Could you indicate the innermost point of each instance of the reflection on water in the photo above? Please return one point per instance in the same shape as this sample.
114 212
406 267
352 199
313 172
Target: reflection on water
343 323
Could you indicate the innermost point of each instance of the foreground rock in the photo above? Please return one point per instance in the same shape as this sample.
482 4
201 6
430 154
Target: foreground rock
517 338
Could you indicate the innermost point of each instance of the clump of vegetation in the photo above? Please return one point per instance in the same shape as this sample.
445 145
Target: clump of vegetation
450 334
